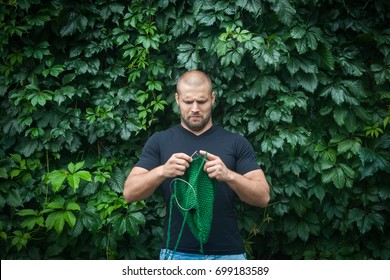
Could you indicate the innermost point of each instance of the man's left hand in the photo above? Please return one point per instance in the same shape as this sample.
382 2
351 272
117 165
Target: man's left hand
215 167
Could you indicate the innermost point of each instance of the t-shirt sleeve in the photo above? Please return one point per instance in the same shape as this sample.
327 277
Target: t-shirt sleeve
246 156
150 155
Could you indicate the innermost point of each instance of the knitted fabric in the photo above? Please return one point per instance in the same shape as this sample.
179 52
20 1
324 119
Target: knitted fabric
194 194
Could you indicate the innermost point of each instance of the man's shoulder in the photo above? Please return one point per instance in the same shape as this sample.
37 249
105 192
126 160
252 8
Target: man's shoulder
235 138
174 128
227 133
167 132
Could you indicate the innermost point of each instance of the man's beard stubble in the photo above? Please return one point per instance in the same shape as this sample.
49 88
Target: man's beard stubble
196 126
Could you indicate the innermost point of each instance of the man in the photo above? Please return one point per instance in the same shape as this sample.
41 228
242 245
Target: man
230 160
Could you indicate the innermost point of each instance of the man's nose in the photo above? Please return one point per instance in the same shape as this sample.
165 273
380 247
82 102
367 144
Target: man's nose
194 107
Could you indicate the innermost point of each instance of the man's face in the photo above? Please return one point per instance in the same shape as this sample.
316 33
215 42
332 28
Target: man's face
195 104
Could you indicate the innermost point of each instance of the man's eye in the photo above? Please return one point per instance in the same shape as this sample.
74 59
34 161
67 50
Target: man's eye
192 101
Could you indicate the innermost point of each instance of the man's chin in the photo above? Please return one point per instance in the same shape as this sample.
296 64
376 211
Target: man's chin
196 126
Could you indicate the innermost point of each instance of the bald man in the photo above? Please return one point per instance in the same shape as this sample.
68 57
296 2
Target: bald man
231 160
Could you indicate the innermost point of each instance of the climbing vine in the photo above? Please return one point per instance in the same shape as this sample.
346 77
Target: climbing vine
83 84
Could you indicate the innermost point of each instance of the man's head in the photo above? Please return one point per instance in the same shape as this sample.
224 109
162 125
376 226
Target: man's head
195 98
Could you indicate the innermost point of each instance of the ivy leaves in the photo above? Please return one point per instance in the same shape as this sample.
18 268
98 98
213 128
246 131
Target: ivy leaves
84 84
73 176
60 212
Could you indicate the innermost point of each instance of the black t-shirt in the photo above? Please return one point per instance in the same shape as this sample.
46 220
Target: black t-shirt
237 154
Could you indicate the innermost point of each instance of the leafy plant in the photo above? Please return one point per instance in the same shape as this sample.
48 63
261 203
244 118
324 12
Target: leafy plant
83 84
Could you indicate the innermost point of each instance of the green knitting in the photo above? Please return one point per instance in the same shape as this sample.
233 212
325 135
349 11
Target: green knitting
194 194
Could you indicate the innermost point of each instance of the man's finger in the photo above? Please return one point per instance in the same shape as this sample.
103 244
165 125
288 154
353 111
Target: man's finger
209 156
183 156
183 163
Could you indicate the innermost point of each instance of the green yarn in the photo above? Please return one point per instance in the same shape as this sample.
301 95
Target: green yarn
194 194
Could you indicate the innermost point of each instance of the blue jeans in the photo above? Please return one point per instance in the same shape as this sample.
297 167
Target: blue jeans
166 254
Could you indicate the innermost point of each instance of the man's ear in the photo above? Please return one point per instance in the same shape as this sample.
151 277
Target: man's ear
177 98
213 97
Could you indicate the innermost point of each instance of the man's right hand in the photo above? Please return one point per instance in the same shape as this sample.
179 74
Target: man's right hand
176 165
141 183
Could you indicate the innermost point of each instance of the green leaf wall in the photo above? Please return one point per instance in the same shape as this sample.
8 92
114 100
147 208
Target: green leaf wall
83 84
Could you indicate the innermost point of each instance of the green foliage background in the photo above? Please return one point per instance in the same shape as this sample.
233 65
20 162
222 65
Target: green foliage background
83 84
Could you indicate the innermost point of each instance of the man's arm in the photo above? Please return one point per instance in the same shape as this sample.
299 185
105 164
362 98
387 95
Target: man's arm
251 187
141 183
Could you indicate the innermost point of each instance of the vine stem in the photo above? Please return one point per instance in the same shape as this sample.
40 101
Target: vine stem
47 171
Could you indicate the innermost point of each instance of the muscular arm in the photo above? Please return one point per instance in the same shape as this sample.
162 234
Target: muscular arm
251 187
141 183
